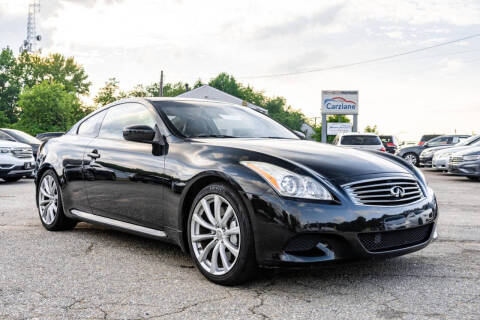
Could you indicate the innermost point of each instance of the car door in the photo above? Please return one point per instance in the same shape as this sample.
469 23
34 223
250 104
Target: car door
71 149
124 178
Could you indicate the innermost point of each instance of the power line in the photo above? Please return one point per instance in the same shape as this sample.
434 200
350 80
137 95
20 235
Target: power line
341 66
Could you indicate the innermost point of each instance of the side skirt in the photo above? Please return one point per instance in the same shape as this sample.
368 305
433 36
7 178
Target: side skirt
118 224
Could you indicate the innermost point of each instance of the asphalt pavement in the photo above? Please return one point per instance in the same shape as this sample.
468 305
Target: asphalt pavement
93 272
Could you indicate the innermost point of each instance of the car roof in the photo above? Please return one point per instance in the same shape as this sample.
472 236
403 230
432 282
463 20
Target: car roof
358 134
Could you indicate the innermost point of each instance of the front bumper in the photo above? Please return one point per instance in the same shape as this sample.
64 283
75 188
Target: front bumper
467 168
299 233
16 171
425 161
440 164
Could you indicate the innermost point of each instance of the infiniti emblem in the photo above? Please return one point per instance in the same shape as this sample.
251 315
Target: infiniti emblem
397 192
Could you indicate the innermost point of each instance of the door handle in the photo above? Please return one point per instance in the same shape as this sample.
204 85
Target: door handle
94 154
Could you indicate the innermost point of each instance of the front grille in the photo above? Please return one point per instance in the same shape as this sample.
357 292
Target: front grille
385 191
455 159
22 152
396 239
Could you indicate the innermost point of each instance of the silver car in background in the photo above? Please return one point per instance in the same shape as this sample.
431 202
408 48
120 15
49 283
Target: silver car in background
357 140
441 157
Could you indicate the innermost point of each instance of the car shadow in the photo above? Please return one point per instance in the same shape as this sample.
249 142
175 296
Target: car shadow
172 255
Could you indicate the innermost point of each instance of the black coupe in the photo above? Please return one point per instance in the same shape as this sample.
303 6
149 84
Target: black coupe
232 187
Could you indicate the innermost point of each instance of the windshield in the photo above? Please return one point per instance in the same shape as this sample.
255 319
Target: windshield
360 140
22 136
209 119
468 141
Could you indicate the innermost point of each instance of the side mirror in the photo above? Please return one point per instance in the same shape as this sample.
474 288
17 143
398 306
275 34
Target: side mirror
139 133
300 134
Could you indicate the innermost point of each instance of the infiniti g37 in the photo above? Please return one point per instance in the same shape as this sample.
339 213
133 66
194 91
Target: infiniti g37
232 187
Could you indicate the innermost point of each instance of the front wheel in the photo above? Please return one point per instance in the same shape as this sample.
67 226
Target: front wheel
220 236
411 158
50 206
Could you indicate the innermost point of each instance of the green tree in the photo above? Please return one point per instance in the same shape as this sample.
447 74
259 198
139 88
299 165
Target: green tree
371 129
173 90
226 83
47 106
10 86
54 67
28 70
109 93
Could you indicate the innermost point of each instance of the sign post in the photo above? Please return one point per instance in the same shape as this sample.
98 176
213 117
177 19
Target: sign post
339 102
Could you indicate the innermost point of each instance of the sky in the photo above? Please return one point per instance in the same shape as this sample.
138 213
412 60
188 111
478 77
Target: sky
432 91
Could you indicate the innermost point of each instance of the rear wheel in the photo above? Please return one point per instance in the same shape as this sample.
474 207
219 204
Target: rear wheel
411 158
50 206
220 237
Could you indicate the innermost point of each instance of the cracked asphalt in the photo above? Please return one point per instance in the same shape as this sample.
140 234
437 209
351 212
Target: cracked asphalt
96 273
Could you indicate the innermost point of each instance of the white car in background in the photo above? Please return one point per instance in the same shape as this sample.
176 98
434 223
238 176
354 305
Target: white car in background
16 160
357 140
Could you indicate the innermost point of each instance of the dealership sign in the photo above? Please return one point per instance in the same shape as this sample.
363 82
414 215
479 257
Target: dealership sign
340 102
334 128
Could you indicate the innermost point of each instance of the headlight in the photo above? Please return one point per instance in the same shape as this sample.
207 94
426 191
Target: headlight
5 150
472 157
426 153
445 155
287 183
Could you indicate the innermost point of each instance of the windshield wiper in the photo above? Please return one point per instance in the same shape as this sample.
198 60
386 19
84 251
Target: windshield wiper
211 136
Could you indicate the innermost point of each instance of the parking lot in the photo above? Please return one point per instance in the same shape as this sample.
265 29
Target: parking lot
93 272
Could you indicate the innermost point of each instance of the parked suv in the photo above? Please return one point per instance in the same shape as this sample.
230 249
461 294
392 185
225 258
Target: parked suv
412 153
390 143
358 140
16 160
22 137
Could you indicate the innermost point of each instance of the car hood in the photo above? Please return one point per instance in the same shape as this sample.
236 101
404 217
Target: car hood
435 149
13 144
451 149
330 161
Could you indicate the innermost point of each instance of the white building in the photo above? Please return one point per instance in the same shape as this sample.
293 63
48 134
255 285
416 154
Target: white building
211 93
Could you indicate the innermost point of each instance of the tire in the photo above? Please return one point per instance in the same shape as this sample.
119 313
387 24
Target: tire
412 158
11 179
474 178
50 205
228 268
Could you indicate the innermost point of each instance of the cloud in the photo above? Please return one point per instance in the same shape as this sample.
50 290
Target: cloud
309 59
299 24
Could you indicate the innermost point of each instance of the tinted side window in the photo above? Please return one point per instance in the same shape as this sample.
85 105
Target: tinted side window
124 115
90 127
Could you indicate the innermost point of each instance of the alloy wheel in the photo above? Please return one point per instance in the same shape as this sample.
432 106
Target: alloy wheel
215 234
410 158
48 199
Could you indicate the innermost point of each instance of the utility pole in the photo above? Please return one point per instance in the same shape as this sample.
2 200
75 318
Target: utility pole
160 89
